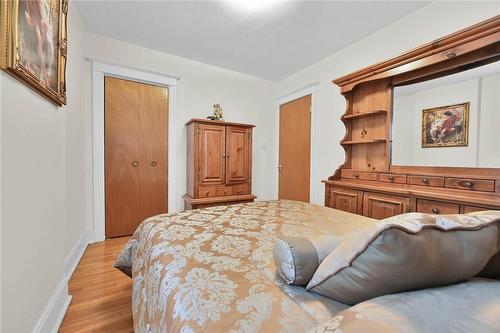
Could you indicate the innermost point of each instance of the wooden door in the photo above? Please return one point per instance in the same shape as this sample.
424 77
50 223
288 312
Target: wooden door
211 145
237 154
295 149
379 206
135 148
346 200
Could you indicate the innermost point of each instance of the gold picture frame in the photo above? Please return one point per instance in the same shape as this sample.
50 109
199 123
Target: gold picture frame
33 35
446 126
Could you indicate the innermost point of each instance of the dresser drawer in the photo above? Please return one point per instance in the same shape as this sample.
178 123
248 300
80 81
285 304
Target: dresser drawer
207 191
359 175
426 181
471 209
391 178
241 189
436 207
471 184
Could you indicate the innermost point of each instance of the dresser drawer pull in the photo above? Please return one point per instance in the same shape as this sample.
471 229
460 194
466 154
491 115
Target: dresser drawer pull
208 192
391 178
435 210
356 175
425 180
467 184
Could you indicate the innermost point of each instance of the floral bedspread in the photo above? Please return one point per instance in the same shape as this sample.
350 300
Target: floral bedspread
212 270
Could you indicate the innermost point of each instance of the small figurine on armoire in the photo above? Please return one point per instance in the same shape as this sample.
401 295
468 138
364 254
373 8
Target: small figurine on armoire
217 114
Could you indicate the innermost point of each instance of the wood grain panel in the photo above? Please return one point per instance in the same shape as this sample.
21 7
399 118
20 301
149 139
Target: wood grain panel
380 206
102 295
135 154
237 154
295 149
212 152
347 200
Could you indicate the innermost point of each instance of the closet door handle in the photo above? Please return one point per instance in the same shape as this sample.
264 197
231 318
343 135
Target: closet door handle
153 164
135 164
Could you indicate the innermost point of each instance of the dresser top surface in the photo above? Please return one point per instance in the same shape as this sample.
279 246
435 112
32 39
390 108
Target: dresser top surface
217 122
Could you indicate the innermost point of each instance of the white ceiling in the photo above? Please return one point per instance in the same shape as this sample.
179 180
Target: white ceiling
271 44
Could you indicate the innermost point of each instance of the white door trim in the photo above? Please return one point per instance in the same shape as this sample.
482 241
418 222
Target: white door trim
100 69
304 91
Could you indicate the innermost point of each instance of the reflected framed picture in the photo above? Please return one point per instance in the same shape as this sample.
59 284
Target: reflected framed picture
35 37
446 126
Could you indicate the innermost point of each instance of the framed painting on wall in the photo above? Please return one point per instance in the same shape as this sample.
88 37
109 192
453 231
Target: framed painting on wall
34 45
446 126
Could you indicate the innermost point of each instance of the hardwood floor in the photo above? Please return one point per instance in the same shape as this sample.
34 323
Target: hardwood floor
101 294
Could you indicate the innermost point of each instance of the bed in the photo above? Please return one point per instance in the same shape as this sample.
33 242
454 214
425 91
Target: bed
212 270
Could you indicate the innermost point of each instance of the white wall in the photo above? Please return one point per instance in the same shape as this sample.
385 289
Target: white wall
243 98
424 25
403 134
34 170
489 143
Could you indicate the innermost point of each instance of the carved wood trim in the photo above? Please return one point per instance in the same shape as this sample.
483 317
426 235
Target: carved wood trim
442 49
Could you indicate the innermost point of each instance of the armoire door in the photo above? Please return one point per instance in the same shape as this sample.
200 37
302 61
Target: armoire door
135 148
237 154
211 143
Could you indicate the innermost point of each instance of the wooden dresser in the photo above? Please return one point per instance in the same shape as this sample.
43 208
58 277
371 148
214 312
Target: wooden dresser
219 163
368 183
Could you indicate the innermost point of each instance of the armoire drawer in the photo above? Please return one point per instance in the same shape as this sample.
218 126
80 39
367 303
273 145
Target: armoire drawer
426 181
436 207
223 190
471 184
392 178
207 191
241 189
359 175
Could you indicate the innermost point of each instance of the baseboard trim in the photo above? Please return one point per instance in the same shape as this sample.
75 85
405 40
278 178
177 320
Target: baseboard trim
74 256
58 303
56 308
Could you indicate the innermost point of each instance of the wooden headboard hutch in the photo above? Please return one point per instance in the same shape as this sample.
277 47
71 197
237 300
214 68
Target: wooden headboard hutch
367 183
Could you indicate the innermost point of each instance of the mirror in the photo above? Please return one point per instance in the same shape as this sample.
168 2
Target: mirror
450 121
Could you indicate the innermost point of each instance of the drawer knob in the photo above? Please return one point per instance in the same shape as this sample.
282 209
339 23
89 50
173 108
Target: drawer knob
468 184
207 193
153 164
425 180
391 178
356 175
135 164
435 210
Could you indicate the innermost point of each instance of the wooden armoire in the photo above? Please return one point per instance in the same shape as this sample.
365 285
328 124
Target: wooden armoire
368 183
219 163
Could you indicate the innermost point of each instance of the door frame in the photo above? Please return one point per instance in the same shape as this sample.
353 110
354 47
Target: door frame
101 69
296 94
